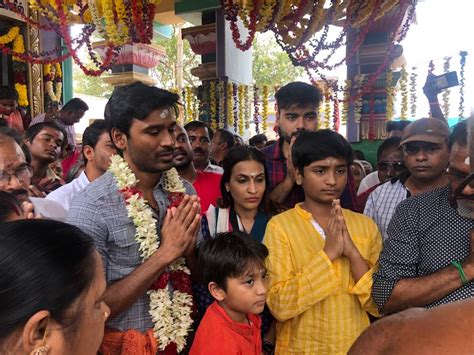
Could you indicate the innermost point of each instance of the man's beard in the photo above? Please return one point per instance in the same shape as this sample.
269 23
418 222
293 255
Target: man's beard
286 137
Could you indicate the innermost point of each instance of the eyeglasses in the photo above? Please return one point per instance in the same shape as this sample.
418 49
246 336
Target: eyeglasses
395 165
22 173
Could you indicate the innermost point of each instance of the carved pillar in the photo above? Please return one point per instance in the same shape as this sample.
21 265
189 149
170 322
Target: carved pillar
35 71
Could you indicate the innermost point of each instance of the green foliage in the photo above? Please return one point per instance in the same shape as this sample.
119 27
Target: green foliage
271 65
90 85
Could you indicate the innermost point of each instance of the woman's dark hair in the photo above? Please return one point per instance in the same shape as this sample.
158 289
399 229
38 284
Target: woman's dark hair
319 145
229 255
235 156
45 265
136 101
8 204
34 130
298 94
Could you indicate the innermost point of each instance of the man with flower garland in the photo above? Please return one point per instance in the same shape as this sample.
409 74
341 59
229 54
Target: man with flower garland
140 237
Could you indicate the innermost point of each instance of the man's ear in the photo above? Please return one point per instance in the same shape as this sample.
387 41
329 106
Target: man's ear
88 152
119 138
216 291
36 331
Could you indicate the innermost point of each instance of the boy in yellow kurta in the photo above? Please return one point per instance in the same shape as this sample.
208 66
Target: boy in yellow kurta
322 257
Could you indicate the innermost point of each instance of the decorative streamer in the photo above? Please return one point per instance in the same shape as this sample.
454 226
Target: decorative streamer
359 80
221 98
327 109
390 96
321 115
336 117
413 97
230 105
264 108
345 102
241 110
246 107
256 112
446 92
235 112
404 92
213 104
462 79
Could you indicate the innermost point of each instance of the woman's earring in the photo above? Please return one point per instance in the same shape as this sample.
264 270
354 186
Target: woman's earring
42 350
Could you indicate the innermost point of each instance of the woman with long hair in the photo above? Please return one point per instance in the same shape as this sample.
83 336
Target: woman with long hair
51 290
244 205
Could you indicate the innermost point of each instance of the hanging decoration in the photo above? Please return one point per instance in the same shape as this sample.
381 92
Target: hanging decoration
230 105
462 78
371 135
345 102
213 104
264 108
413 76
236 105
256 112
221 102
19 70
196 108
431 67
446 92
188 94
241 110
321 115
359 81
335 116
247 107
404 93
53 81
327 109
390 89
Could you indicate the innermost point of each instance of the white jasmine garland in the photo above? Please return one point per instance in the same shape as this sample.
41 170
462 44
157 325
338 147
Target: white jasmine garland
170 312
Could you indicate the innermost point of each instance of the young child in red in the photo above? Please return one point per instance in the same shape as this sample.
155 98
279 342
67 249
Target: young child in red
232 266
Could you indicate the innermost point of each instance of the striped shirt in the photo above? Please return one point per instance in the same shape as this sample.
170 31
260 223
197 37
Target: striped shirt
383 201
318 306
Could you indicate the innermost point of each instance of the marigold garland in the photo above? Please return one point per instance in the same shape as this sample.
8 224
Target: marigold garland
50 80
235 111
221 102
241 110
246 107
462 83
446 92
345 102
264 108
413 97
213 104
230 105
358 80
335 115
327 109
404 93
390 89
256 112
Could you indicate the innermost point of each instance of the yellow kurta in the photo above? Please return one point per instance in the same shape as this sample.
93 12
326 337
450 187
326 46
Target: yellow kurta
318 307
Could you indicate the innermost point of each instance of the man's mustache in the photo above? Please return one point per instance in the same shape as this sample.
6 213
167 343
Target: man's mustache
198 150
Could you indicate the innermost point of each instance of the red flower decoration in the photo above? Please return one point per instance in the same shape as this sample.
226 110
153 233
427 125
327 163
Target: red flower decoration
129 192
161 282
181 282
175 199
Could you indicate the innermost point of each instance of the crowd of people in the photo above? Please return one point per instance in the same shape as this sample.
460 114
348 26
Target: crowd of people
154 238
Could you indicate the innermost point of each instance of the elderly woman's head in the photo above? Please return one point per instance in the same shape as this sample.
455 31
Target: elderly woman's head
51 289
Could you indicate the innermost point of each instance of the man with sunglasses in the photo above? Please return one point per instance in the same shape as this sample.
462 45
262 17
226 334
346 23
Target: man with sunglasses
428 257
425 154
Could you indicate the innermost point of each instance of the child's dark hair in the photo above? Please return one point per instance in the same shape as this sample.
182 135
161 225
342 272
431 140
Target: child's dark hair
319 145
229 255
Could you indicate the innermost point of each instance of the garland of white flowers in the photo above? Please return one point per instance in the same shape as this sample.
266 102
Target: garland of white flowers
171 313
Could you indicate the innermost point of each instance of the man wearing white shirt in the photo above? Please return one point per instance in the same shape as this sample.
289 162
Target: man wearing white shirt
97 148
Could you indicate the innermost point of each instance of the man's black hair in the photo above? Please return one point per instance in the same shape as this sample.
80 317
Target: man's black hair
313 146
396 125
229 255
8 93
359 154
297 94
135 102
193 125
34 130
458 135
92 135
227 137
75 104
389 143
257 139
